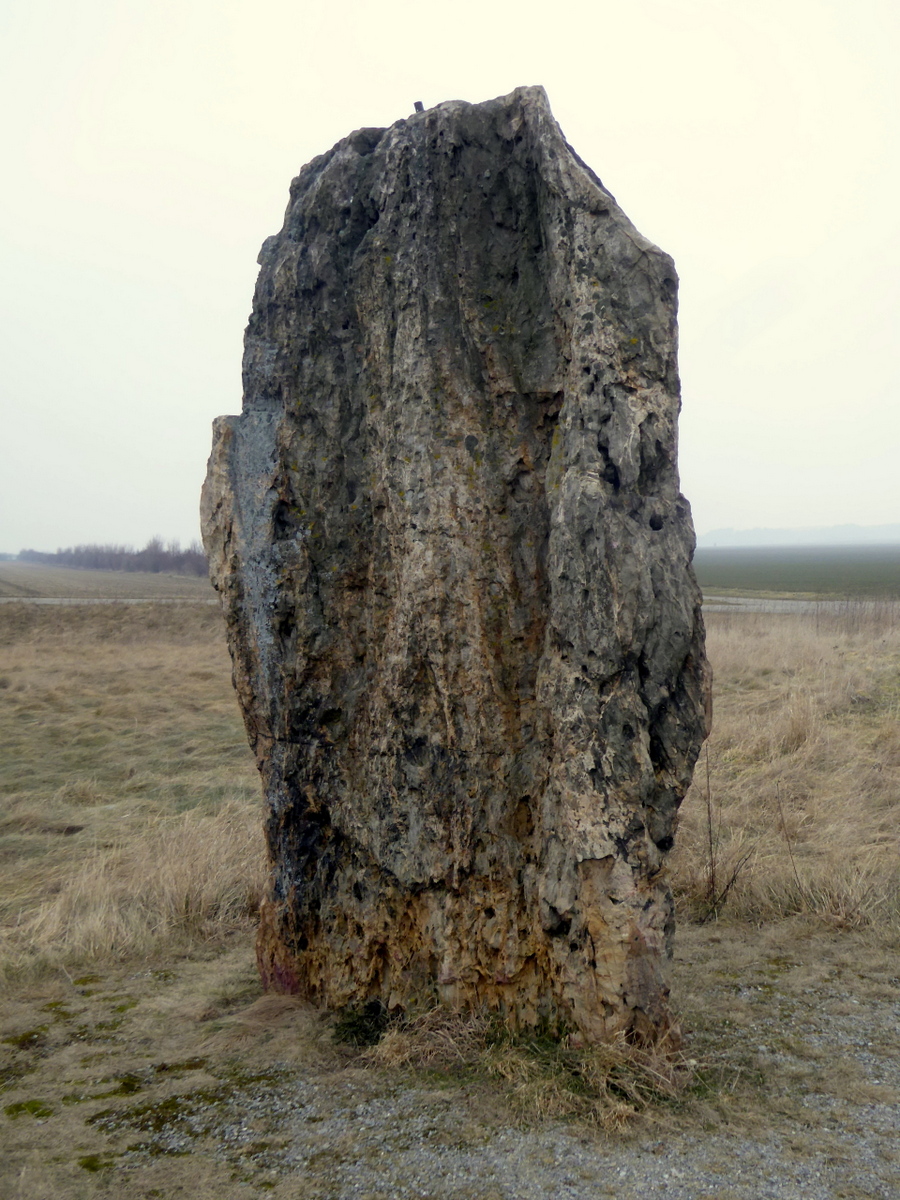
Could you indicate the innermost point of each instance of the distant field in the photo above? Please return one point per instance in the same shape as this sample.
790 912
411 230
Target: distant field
872 571
806 570
869 571
25 581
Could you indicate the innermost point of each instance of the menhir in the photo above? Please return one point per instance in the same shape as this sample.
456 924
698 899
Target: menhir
455 568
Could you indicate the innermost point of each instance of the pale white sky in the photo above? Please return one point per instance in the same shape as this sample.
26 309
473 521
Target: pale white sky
148 146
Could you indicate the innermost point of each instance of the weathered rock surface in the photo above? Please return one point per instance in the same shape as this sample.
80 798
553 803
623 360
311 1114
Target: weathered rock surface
455 568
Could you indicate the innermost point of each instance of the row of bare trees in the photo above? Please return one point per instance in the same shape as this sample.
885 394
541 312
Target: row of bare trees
156 556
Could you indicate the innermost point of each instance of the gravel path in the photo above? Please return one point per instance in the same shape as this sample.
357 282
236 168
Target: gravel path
824 1124
417 1143
802 1048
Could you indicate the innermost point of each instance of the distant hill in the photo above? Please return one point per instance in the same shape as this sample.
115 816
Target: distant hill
811 535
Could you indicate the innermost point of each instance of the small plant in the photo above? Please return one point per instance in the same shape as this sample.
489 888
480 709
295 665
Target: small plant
362 1024
714 895
545 1076
38 1109
607 1085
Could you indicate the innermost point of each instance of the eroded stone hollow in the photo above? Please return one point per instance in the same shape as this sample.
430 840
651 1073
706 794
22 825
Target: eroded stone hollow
455 567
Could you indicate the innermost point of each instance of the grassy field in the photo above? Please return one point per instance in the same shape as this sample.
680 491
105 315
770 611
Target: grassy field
33 580
128 792
796 796
131 844
835 571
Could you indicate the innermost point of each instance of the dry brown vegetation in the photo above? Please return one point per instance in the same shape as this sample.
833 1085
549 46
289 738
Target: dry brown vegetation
796 797
130 835
130 822
606 1086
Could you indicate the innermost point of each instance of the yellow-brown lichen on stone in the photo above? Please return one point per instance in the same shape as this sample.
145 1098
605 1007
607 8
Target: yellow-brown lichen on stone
455 569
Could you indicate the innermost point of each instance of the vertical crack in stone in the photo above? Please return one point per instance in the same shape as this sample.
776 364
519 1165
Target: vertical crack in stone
455 570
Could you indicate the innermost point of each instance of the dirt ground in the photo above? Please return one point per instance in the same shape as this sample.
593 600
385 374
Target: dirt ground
182 1079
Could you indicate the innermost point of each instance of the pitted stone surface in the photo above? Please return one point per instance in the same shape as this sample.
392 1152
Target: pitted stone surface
455 566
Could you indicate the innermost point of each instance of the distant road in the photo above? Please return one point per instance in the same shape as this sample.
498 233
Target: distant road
723 604
107 600
760 604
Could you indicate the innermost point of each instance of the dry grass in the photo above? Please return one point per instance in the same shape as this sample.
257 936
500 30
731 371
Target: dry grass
803 786
130 814
188 877
604 1086
542 1079
438 1038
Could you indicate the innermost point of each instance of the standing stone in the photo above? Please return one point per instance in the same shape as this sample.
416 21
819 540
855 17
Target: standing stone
455 568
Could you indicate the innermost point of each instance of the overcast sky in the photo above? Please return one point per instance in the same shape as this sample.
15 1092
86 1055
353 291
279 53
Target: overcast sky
148 146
